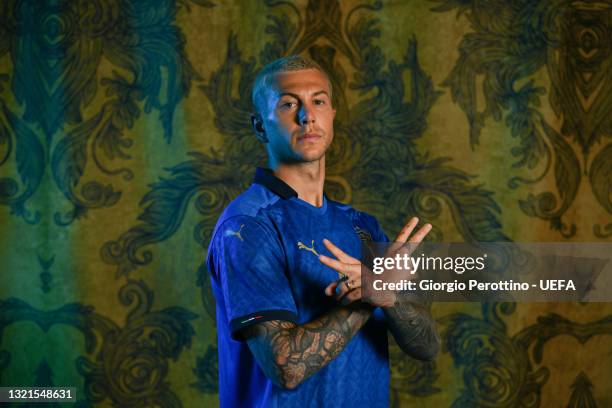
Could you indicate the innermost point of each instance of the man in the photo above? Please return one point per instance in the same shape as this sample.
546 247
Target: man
290 332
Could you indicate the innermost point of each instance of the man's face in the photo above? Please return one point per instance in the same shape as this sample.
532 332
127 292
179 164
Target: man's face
298 117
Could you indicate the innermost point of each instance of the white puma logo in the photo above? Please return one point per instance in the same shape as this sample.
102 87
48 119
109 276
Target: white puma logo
229 233
309 249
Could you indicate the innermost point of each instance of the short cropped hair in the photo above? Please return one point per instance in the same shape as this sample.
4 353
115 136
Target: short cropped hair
285 64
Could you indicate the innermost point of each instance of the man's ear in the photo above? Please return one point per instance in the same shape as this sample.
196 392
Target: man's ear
257 123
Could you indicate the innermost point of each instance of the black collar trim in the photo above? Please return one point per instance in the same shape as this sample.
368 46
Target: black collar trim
266 178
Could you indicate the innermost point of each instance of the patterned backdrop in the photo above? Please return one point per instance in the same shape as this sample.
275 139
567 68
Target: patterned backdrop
124 131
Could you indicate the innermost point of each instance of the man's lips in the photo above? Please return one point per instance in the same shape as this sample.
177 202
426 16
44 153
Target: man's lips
309 136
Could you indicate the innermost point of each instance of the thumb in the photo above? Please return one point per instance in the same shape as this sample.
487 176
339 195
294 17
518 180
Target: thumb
330 289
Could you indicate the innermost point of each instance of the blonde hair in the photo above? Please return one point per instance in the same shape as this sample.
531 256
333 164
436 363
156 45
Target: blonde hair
285 64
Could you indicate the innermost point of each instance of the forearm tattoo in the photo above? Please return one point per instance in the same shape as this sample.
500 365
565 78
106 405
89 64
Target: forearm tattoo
413 328
288 354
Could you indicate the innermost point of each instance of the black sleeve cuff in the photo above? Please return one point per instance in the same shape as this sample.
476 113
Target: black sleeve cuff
266 315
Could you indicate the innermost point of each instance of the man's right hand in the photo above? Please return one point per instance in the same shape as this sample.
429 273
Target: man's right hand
348 289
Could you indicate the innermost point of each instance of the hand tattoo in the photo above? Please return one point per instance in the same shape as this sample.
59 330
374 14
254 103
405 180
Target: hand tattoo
288 354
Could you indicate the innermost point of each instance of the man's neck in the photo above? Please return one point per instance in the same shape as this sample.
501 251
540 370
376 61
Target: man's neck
306 179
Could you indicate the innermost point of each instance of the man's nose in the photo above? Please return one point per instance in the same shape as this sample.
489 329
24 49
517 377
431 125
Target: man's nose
306 115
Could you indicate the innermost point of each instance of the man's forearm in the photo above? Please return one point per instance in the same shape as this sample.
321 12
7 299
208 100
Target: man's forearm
413 327
288 354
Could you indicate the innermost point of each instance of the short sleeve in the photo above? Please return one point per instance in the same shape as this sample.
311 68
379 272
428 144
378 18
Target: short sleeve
249 265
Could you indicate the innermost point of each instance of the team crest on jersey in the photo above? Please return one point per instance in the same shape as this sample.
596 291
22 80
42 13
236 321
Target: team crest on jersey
364 235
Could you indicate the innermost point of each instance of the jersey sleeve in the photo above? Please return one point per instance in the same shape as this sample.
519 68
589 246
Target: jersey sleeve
249 265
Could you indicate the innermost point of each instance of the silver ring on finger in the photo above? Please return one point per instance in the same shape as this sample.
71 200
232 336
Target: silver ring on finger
348 284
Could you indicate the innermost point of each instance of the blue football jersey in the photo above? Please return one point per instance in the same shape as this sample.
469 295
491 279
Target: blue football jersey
263 260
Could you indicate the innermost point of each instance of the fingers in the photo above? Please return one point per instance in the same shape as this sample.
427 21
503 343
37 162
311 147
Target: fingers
407 230
342 287
347 289
345 264
338 253
341 267
335 286
404 234
331 288
420 234
347 285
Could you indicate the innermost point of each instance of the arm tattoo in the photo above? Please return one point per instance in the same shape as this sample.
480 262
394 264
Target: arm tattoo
288 354
413 327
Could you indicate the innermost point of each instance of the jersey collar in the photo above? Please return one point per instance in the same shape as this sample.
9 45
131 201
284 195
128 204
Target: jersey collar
266 178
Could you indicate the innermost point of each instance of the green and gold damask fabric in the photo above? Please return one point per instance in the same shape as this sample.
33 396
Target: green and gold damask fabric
124 131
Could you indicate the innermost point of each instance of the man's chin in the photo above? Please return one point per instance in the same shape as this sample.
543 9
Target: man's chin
309 157
303 156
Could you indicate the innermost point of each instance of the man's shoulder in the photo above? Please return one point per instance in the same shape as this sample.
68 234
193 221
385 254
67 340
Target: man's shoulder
252 202
250 206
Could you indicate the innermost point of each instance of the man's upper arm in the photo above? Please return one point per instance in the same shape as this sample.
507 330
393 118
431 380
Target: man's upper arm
249 265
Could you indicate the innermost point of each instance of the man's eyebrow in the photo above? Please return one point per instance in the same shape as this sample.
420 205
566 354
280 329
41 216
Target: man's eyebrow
321 92
288 94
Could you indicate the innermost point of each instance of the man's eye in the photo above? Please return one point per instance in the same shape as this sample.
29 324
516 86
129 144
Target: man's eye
287 105
319 102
